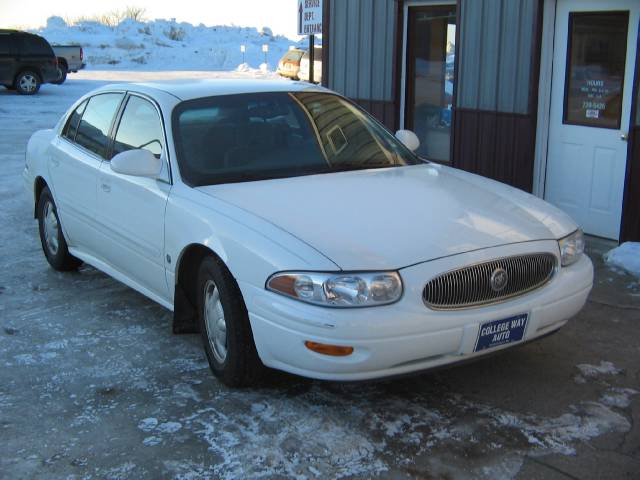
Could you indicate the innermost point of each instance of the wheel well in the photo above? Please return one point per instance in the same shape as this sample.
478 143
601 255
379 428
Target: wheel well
37 190
63 61
31 69
184 311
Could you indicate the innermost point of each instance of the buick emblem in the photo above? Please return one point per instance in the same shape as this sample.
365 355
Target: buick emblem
499 279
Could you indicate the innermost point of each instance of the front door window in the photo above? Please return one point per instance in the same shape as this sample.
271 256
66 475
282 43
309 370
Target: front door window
597 52
431 37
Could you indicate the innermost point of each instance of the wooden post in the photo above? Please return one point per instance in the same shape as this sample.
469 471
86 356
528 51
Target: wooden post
312 54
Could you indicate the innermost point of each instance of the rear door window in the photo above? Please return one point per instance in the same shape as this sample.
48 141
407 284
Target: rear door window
93 130
140 128
71 127
5 44
35 45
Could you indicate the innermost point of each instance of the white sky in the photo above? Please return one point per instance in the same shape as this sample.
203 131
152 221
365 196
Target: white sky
279 15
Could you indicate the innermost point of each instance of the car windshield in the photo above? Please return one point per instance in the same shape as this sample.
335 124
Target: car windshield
259 136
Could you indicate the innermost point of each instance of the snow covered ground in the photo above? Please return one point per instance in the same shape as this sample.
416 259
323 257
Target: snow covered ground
94 385
167 45
625 257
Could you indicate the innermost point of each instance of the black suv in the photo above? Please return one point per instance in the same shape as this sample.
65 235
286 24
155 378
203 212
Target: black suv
26 61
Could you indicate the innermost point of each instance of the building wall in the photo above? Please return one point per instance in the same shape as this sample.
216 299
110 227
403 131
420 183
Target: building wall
630 230
361 53
496 100
497 41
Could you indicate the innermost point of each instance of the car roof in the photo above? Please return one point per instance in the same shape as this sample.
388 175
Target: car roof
192 89
10 30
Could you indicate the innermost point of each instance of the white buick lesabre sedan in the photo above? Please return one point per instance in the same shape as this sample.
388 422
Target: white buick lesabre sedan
293 231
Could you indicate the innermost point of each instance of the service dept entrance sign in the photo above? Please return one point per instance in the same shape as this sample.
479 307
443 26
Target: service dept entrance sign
309 17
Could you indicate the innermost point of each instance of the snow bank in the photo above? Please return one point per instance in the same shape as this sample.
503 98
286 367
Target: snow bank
626 257
168 45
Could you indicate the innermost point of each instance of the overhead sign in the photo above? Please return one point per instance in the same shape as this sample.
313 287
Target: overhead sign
309 17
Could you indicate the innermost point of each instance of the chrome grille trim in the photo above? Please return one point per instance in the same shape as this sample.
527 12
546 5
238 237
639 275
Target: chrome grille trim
470 286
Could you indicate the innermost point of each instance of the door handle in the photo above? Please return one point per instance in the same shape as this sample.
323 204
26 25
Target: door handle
55 162
105 187
624 137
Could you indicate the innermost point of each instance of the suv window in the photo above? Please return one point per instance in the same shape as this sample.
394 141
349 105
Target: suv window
70 128
5 44
93 130
35 45
140 127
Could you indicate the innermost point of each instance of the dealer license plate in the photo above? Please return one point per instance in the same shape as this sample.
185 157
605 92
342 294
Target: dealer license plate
500 332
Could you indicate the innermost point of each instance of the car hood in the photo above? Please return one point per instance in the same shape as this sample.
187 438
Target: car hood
395 217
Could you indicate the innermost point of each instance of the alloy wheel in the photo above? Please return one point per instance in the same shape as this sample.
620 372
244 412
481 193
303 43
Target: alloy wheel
28 83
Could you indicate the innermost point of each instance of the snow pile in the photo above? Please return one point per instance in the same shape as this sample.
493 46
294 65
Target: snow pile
605 368
168 45
626 257
592 371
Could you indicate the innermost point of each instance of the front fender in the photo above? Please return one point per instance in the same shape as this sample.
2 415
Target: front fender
252 248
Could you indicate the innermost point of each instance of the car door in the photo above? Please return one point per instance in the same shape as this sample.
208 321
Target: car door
131 208
74 164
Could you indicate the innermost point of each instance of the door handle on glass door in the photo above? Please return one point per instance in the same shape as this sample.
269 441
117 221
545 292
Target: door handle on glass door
624 137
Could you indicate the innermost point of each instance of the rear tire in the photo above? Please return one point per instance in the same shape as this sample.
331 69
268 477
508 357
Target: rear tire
224 326
62 74
52 240
27 83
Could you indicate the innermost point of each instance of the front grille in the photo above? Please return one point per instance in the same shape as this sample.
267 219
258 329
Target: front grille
473 286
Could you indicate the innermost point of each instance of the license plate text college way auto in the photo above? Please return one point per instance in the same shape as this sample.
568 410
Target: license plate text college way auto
501 332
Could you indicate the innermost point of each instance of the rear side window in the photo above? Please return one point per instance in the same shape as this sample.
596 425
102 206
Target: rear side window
93 130
5 44
35 45
293 56
140 128
72 123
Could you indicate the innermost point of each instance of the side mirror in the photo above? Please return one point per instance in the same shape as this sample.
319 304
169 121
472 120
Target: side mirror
139 163
409 139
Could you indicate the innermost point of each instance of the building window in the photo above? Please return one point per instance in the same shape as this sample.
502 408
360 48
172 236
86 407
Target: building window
597 52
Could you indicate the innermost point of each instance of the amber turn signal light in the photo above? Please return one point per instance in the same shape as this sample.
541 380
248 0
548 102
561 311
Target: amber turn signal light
333 350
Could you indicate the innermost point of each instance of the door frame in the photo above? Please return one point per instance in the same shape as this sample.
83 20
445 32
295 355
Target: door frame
405 46
543 122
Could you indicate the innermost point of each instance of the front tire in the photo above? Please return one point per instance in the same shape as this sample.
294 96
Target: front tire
224 326
52 240
27 83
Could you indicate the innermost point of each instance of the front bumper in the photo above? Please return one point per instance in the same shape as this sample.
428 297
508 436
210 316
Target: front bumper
407 336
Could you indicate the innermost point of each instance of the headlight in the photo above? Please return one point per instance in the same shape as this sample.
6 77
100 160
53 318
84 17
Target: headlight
339 289
571 248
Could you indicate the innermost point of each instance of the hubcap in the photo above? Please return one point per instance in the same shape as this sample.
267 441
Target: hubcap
51 229
28 83
215 322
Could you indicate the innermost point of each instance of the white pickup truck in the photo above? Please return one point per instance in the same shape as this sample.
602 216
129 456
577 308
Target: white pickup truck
70 59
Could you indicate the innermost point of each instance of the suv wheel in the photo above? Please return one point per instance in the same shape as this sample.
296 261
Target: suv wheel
62 74
27 82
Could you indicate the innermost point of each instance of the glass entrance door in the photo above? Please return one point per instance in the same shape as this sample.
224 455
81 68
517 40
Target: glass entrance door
431 37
